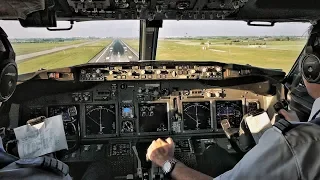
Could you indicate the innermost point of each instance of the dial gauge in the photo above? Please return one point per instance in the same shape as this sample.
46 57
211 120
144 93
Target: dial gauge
100 119
231 110
196 115
127 127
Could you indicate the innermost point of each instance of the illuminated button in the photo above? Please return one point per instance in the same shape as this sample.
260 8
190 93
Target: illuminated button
218 69
143 72
98 71
150 76
174 74
193 71
118 77
123 77
143 77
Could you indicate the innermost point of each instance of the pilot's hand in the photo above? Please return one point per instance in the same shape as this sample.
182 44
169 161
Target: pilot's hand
289 115
160 151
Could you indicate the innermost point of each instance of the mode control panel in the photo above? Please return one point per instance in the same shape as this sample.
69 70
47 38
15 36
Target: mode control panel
110 73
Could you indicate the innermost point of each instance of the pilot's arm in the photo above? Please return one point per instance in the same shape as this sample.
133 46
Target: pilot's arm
269 159
160 151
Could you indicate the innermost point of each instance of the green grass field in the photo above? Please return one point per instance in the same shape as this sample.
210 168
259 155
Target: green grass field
134 43
64 58
26 48
272 54
266 54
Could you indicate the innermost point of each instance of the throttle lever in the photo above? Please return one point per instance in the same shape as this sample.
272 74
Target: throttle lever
227 129
139 169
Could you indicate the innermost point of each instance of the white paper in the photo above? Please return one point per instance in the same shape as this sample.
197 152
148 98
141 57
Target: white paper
42 138
258 125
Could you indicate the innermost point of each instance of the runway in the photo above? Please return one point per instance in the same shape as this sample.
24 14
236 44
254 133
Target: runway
117 51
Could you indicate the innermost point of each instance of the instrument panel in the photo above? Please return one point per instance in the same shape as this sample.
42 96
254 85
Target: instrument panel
143 108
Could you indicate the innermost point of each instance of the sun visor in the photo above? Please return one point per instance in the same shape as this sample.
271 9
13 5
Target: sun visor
14 9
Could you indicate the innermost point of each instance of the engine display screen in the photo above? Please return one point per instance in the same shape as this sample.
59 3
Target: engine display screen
231 110
153 117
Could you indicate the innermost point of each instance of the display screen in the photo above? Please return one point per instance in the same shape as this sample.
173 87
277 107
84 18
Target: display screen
231 110
127 112
196 115
153 117
70 117
100 119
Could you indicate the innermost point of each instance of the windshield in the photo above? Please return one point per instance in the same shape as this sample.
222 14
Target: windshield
118 41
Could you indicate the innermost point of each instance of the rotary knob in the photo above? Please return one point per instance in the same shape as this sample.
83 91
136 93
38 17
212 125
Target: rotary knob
204 69
218 69
86 98
76 98
208 94
217 94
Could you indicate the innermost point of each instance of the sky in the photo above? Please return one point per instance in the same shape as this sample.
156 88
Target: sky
171 28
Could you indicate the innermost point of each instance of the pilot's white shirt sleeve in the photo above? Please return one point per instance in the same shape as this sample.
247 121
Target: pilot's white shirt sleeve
269 159
315 109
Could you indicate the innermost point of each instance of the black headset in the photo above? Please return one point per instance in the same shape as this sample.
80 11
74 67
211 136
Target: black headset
310 64
8 68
